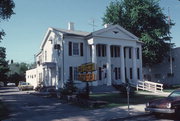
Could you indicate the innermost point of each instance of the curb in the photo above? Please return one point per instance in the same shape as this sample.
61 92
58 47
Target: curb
129 117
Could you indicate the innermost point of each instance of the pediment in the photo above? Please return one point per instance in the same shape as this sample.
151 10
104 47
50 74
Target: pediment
115 31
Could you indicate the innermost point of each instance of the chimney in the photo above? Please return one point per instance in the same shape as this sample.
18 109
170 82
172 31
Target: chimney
106 25
71 26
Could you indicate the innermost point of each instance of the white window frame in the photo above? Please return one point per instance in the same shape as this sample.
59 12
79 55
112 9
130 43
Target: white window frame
77 49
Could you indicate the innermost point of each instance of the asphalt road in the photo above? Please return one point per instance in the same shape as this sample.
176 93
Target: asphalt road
26 107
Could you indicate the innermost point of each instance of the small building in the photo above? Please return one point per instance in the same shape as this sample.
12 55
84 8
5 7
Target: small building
115 52
163 72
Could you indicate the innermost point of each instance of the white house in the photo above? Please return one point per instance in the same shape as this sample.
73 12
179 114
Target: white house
164 72
115 51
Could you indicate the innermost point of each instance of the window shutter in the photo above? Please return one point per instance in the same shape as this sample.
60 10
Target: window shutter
81 49
71 73
70 48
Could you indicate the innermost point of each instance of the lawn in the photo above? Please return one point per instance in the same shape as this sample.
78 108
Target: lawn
172 88
3 111
116 99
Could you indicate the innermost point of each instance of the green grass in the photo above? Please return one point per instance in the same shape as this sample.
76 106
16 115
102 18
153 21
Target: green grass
115 99
172 88
3 111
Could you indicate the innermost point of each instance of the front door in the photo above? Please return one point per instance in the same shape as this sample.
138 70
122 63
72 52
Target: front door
102 74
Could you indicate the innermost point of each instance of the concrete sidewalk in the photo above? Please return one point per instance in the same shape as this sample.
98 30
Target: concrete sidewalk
106 114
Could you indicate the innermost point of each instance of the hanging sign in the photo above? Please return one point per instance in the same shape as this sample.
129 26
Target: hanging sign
86 72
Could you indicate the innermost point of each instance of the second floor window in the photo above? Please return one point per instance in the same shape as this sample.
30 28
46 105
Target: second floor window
115 51
101 50
75 48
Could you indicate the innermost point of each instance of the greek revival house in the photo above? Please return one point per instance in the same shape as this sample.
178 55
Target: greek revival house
115 52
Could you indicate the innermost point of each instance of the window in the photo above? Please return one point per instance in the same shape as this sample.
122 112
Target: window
138 73
158 76
170 74
137 53
117 73
45 55
130 73
75 73
75 49
115 51
100 73
124 52
70 73
129 53
101 50
90 49
59 73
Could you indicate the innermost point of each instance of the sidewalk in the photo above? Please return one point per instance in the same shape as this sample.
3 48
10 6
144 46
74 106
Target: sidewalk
106 114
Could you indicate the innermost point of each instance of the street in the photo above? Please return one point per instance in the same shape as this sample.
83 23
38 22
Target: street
26 107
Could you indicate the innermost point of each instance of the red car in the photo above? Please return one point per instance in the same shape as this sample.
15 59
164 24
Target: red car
168 105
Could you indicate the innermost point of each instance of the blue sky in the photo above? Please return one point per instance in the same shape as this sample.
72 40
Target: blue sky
26 29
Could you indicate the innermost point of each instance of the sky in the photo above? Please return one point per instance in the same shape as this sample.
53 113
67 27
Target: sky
26 29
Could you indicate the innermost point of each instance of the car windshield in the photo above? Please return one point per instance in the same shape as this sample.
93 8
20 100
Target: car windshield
24 83
175 94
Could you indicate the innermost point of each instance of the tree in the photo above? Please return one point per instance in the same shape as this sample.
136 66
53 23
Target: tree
17 72
143 18
6 10
3 65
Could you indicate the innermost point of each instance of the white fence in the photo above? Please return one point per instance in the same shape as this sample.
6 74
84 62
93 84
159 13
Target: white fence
149 86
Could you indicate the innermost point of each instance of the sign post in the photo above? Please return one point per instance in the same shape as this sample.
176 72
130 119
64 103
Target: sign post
86 74
128 90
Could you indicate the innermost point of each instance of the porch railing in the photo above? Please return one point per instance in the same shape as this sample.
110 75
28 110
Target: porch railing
149 86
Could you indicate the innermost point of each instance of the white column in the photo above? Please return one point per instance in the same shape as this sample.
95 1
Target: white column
94 60
109 80
140 66
134 64
122 64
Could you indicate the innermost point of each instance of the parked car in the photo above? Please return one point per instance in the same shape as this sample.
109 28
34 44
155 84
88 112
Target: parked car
1 84
11 84
25 86
168 105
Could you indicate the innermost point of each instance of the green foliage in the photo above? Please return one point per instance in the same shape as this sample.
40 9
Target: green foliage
17 72
3 65
143 18
6 10
68 89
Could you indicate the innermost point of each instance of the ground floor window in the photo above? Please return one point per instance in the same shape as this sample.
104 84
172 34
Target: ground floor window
59 73
73 73
100 73
117 73
130 70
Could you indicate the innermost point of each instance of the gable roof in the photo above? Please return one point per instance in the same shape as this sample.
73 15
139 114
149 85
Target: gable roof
115 27
88 34
70 32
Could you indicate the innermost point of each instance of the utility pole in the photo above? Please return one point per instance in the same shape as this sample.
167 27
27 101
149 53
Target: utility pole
170 51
